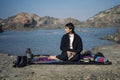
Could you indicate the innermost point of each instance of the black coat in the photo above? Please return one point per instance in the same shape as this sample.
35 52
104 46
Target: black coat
77 43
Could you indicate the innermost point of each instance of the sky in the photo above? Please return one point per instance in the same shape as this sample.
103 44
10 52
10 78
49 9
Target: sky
78 9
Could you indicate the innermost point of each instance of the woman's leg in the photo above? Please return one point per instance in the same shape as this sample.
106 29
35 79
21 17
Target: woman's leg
63 56
53 57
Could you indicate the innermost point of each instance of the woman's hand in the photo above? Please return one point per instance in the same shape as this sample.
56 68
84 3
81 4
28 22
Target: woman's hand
70 54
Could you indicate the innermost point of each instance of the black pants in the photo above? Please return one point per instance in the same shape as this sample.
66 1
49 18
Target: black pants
64 57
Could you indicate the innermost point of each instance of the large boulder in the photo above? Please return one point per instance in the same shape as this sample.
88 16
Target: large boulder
117 35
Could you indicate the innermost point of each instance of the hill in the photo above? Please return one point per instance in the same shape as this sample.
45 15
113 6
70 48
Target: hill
110 17
25 20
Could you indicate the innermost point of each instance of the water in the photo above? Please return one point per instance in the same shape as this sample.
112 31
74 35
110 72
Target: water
48 41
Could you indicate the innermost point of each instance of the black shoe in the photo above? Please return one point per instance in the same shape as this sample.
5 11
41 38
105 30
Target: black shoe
14 65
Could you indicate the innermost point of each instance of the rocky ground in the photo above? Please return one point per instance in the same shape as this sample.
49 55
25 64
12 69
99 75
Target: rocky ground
64 72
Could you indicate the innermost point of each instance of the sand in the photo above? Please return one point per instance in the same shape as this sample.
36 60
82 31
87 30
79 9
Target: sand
64 72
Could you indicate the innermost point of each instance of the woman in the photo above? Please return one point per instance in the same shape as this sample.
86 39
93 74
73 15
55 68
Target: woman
71 45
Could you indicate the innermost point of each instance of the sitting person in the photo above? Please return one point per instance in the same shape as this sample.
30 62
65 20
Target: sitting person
71 45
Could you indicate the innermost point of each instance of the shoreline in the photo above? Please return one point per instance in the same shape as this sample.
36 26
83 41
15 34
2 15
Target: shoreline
69 72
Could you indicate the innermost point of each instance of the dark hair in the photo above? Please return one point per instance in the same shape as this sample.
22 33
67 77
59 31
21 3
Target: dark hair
70 26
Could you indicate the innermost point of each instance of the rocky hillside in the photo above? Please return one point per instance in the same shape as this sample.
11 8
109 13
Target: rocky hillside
26 20
108 17
21 20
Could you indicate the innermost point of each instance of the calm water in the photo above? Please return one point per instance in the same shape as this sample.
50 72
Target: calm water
48 41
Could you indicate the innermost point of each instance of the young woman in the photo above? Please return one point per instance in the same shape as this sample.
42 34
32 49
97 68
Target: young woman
71 45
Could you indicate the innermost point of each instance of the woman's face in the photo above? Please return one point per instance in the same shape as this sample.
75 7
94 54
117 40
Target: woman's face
67 30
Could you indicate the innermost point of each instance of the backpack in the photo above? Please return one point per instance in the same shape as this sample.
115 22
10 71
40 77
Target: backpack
99 57
87 56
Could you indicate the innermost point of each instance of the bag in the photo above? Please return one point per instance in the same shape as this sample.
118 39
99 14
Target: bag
99 57
87 56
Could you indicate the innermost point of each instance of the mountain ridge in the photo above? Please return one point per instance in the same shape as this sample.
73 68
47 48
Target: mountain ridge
109 17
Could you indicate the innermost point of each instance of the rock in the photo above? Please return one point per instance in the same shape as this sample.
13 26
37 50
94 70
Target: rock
109 37
117 39
1 28
117 36
95 48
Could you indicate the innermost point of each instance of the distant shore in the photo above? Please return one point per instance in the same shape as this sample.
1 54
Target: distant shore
69 72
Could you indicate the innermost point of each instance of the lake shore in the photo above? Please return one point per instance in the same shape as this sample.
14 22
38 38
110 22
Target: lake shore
64 72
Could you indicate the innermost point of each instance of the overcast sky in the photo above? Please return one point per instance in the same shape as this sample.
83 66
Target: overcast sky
78 9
